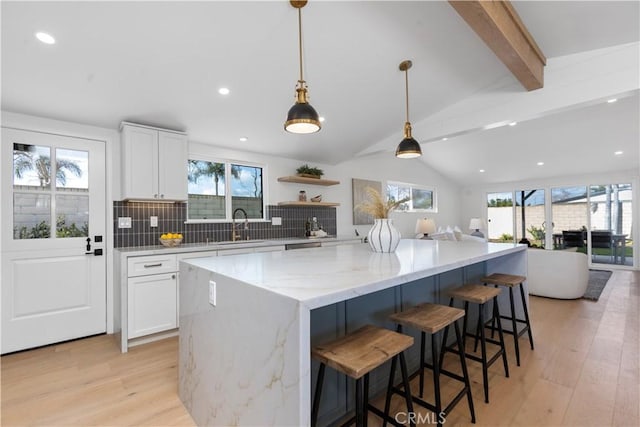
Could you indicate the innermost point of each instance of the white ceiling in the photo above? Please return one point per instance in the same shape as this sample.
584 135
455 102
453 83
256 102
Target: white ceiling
162 62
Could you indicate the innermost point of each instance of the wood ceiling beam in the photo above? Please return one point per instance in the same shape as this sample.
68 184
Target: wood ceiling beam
498 24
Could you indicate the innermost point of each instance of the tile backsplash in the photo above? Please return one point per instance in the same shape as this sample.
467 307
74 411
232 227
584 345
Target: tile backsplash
172 217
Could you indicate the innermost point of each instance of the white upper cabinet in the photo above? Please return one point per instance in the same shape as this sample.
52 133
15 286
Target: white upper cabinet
154 163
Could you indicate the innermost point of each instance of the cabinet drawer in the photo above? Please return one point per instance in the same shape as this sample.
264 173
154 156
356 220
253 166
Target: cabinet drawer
156 264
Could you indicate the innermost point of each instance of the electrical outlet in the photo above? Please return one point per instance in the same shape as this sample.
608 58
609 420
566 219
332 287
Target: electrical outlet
124 222
153 221
212 293
276 220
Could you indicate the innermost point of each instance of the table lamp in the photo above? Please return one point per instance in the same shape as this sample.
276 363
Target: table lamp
424 227
476 224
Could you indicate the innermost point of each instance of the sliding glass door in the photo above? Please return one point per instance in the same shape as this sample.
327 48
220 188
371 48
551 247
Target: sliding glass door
570 212
500 217
610 237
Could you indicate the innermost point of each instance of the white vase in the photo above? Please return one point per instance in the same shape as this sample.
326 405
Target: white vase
383 236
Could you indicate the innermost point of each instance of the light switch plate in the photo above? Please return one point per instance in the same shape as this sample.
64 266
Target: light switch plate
276 220
124 222
153 221
212 293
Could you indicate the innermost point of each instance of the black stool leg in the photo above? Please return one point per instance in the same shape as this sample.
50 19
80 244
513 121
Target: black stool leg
526 316
514 325
496 314
443 349
475 339
359 403
387 403
316 397
365 403
407 387
493 322
465 373
436 377
422 351
483 347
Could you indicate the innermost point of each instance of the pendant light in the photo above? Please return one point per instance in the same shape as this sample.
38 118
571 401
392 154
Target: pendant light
302 117
408 148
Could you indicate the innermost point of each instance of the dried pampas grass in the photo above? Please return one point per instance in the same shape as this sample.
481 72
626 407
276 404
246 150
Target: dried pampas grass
376 206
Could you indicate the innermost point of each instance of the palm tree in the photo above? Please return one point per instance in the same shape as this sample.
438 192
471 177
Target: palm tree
23 161
200 168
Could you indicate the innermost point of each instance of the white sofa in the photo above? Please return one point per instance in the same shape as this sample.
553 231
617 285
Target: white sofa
557 274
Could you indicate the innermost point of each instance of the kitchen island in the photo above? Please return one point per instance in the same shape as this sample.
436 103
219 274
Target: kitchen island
247 322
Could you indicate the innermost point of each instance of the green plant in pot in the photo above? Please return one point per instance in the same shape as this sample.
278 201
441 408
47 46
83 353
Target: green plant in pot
309 172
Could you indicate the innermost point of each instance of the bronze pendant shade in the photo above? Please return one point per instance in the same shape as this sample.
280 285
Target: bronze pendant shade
302 117
408 148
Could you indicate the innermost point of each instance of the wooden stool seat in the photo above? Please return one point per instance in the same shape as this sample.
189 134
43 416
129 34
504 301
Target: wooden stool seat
360 352
428 317
476 294
503 279
355 355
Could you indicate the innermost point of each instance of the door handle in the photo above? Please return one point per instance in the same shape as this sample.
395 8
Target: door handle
88 244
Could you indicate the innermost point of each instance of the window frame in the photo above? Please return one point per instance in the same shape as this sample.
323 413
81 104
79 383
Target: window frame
227 188
410 186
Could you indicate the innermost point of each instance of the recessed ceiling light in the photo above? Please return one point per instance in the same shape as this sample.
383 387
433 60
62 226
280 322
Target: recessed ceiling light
513 123
445 138
481 170
612 100
244 138
45 38
617 153
540 163
224 91
321 119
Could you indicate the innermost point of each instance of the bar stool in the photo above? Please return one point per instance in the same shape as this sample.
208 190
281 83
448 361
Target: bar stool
510 281
355 355
432 318
478 294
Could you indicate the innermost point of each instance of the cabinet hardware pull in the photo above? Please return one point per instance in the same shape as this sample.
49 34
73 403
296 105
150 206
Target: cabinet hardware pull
173 276
153 265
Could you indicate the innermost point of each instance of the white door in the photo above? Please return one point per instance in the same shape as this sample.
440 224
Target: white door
53 231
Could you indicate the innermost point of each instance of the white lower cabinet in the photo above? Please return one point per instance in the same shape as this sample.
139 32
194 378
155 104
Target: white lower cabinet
152 304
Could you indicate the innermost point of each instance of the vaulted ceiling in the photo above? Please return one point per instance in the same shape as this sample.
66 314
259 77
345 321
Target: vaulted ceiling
162 63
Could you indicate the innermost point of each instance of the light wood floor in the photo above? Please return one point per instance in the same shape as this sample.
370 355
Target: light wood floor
584 371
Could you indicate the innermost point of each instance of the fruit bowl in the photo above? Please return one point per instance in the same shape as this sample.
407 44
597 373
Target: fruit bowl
171 239
170 242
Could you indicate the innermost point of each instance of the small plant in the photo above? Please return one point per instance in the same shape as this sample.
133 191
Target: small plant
506 237
376 206
308 170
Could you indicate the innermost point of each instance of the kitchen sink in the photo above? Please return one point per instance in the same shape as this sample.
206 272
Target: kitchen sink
237 242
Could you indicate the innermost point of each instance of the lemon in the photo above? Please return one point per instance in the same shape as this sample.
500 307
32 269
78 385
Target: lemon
164 236
179 236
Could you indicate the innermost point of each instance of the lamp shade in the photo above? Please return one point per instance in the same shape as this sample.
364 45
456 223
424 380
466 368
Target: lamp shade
475 224
302 118
408 148
425 226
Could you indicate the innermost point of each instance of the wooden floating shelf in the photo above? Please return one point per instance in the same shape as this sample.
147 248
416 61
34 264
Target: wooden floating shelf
296 203
305 180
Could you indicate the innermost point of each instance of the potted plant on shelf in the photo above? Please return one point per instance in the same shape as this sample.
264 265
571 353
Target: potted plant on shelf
309 172
383 236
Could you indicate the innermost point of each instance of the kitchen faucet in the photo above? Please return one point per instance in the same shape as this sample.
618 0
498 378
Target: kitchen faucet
235 235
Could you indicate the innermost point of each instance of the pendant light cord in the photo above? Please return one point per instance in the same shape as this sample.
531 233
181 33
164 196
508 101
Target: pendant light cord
406 89
300 40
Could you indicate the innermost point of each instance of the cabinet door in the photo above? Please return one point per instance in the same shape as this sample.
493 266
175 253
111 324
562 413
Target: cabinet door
140 163
172 166
152 304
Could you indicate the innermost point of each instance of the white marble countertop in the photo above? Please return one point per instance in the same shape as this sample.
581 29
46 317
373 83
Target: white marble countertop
213 246
322 276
